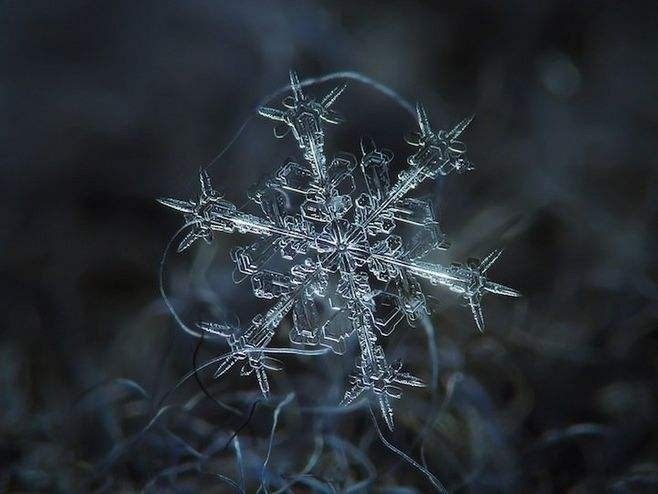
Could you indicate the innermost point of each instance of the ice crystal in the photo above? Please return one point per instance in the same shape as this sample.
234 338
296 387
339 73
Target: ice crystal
342 250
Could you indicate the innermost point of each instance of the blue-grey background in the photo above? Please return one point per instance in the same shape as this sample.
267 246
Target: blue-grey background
107 105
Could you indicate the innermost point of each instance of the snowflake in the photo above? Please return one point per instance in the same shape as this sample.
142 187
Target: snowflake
350 274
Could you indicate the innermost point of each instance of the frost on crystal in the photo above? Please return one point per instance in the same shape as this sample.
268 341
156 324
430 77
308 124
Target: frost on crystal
342 247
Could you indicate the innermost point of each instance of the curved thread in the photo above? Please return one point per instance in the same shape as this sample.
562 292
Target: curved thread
118 449
161 285
347 74
435 482
275 421
219 403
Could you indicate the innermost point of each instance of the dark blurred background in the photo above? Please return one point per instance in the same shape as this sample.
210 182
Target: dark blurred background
107 105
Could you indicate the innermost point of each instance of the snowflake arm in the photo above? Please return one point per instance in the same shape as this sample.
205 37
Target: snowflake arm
373 373
439 153
248 344
304 116
468 281
211 212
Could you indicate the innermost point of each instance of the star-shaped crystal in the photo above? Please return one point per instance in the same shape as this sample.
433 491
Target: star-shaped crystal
353 274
